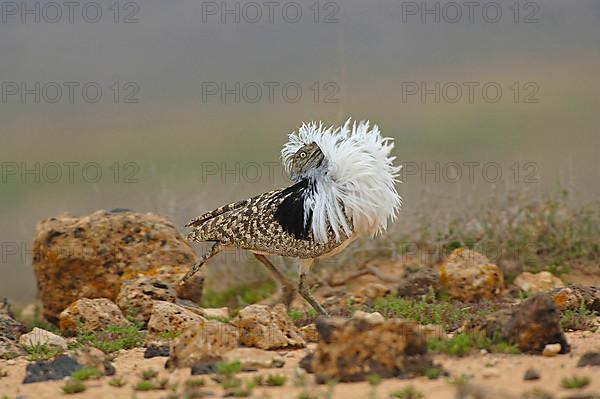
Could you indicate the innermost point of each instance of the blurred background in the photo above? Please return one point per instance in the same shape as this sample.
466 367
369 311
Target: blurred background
178 107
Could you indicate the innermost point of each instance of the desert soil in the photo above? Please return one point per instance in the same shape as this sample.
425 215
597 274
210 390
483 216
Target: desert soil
500 375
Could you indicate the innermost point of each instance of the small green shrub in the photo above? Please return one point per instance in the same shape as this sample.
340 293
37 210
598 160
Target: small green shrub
117 382
42 352
148 374
578 319
433 373
144 386
407 393
231 382
460 345
575 382
374 379
113 338
86 373
236 297
275 380
168 335
73 386
426 311
229 368
195 382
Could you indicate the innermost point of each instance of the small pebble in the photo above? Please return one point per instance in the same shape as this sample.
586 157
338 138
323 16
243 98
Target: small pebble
531 375
204 368
156 351
490 373
11 362
551 350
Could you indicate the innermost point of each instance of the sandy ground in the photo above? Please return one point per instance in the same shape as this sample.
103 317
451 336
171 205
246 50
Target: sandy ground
501 375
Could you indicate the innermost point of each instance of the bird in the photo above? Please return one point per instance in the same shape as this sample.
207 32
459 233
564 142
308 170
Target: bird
343 187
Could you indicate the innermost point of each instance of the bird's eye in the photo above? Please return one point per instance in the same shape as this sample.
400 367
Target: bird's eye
303 154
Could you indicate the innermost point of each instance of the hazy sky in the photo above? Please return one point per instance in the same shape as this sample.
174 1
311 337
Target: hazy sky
158 90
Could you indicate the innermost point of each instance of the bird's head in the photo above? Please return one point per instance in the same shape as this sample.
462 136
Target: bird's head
307 161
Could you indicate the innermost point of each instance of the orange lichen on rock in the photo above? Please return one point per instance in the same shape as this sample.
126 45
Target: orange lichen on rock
89 257
469 276
355 349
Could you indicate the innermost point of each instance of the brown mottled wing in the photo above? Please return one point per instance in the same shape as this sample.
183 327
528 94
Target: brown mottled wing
268 223
219 224
197 221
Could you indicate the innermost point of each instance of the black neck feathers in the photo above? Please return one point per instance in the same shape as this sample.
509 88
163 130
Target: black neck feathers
290 212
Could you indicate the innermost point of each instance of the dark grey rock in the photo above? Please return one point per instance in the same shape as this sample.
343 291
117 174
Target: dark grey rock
531 375
58 369
109 369
9 327
156 351
306 363
204 368
10 331
589 359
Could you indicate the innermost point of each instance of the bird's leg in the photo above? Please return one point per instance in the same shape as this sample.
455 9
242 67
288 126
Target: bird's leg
288 290
303 289
215 249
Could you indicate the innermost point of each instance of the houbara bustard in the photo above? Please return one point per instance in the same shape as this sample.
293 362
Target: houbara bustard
344 187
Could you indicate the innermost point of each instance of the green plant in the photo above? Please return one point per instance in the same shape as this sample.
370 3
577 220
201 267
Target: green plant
433 373
42 352
575 382
113 338
546 233
117 382
148 374
578 319
86 373
168 335
307 395
229 368
195 382
275 380
230 382
461 345
295 314
407 393
302 317
245 392
144 386
330 389
461 380
225 320
240 393
162 383
423 311
73 386
374 380
236 297
537 393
